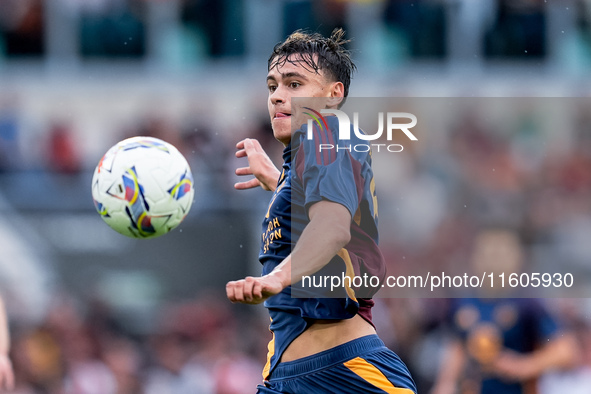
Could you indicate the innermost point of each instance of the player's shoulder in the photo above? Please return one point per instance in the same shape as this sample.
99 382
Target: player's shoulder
324 128
325 137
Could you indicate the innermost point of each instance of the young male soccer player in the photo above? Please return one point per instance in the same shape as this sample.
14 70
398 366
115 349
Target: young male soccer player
324 206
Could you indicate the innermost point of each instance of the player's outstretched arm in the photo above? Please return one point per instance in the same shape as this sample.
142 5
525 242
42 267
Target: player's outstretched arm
254 290
6 372
326 234
260 165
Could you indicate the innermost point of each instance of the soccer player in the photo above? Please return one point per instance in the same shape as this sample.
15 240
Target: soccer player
322 216
6 373
501 344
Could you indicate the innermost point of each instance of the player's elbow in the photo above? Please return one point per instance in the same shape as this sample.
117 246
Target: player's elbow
331 222
341 236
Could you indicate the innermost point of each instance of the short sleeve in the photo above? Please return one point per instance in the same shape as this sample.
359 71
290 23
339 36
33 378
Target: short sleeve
327 170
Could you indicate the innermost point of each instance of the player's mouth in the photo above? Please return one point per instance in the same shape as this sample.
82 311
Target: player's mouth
280 115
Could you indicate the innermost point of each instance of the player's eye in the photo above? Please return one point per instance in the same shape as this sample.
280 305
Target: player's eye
272 88
295 85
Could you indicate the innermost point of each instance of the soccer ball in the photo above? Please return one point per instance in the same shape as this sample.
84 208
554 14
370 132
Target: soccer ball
143 187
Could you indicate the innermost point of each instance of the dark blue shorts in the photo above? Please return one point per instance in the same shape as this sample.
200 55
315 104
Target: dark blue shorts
361 366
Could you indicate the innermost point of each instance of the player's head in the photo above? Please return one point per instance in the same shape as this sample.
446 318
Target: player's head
306 65
318 54
497 251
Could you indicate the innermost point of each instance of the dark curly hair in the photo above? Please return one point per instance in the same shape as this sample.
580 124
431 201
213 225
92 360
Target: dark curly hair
317 52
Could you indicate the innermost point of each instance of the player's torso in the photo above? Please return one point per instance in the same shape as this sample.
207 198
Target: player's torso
276 226
286 219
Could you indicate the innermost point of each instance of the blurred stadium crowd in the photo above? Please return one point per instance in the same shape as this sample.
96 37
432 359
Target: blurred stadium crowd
77 76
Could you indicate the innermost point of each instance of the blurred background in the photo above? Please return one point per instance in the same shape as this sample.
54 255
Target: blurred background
94 312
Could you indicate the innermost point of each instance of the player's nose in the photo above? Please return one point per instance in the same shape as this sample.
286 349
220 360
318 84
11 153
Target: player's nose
278 96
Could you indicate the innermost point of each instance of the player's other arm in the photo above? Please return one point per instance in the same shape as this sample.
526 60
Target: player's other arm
325 235
560 352
6 373
260 165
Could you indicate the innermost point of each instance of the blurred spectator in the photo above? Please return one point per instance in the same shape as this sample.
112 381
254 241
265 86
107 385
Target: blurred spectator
170 373
123 358
501 345
64 156
38 361
22 28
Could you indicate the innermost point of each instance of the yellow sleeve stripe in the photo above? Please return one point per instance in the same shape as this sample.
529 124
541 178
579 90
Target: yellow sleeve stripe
374 376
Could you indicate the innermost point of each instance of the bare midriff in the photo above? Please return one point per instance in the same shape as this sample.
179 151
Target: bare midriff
326 334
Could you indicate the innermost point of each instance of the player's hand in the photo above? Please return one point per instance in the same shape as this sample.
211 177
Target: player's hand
251 290
6 373
260 165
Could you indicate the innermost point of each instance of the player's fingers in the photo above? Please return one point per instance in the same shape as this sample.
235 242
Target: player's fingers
267 290
249 283
241 153
250 146
256 145
247 184
257 291
231 291
238 286
243 171
240 144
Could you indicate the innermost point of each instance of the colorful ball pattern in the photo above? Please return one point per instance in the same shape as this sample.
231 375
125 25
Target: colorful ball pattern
143 187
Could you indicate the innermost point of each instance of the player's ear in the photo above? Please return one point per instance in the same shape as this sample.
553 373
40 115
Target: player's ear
337 93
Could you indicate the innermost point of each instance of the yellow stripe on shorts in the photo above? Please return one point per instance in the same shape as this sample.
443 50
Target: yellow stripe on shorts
349 272
270 353
374 376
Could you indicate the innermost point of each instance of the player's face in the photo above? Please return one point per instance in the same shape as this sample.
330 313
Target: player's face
294 79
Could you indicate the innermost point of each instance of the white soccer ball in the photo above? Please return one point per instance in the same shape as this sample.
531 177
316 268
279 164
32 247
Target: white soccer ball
143 187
